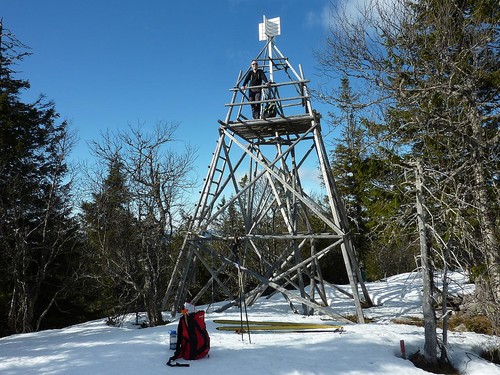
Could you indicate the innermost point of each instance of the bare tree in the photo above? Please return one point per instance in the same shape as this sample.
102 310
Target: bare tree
155 182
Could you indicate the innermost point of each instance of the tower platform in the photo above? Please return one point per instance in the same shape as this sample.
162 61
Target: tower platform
273 127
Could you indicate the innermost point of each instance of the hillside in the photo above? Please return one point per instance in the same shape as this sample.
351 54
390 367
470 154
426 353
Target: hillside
369 349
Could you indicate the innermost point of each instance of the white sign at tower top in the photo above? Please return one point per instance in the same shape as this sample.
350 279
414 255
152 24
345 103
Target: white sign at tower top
269 28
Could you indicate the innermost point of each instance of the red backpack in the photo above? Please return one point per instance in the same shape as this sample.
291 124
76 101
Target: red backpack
193 341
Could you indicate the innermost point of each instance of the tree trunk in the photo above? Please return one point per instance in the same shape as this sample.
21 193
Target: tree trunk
490 284
430 345
151 296
21 306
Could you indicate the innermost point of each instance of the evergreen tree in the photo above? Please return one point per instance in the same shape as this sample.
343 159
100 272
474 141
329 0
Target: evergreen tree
347 159
37 234
368 183
113 241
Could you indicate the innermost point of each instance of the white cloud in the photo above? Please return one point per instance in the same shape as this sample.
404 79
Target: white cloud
320 18
310 179
354 11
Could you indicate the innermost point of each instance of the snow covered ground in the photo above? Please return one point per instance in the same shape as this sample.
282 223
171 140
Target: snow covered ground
369 349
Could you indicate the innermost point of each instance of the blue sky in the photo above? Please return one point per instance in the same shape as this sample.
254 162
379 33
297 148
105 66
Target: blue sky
108 64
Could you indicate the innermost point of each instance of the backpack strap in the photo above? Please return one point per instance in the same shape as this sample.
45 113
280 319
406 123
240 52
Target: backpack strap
180 328
180 333
176 364
177 352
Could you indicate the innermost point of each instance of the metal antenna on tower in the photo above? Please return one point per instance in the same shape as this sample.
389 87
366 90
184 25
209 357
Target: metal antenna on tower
268 30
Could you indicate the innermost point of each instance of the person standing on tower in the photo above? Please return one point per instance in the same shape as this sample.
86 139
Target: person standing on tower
255 76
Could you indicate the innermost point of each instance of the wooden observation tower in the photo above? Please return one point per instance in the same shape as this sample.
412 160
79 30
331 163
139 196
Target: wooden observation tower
254 218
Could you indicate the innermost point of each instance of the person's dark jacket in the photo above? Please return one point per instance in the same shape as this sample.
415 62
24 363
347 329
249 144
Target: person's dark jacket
255 79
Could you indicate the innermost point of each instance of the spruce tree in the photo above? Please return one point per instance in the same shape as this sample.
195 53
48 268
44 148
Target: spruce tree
113 241
37 233
368 183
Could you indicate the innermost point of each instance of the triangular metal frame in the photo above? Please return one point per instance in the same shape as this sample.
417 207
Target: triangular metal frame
272 153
